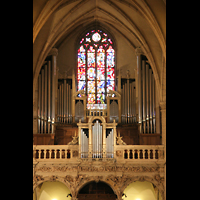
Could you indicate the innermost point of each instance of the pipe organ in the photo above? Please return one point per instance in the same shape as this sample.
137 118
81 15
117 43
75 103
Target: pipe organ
101 139
146 98
64 101
46 96
97 140
128 101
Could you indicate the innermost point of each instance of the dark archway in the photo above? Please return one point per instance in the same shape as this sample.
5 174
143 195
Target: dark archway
96 191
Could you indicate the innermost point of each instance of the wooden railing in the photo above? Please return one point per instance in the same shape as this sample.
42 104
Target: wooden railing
135 153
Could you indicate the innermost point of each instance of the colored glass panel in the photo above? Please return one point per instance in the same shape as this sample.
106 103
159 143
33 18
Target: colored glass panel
110 85
100 98
91 87
81 74
81 85
96 37
100 86
100 58
93 48
81 59
91 98
110 57
91 60
91 73
110 73
100 73
81 49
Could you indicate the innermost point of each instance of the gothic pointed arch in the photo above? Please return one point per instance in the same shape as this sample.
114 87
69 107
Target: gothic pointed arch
96 66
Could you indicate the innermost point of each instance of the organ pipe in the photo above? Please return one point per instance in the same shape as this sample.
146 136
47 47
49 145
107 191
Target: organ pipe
130 107
147 96
139 58
150 99
134 102
64 102
39 102
128 102
46 84
153 96
144 96
45 99
42 102
49 95
128 96
67 106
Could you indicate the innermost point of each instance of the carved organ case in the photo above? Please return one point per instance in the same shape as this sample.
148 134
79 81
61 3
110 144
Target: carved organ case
97 139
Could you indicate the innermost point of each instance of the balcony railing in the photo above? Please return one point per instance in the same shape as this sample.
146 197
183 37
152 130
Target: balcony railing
122 153
139 152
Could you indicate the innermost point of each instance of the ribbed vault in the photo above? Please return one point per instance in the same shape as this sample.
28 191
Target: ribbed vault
140 23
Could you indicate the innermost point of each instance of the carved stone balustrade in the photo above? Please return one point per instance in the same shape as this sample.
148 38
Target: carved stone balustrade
122 153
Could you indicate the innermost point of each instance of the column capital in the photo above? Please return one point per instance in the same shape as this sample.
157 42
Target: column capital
53 52
138 51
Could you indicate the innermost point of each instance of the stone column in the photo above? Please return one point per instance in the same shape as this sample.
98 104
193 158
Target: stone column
90 140
139 78
163 121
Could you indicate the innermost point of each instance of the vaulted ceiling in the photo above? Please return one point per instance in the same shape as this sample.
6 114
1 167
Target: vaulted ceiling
140 22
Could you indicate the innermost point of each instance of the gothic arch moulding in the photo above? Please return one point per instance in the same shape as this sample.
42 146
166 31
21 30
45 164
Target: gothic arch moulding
91 119
96 179
38 179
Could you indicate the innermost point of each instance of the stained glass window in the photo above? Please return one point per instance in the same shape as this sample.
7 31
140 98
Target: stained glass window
96 66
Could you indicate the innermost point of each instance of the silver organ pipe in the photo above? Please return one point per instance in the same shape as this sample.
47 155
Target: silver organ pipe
84 145
125 101
147 96
110 144
150 100
45 99
67 105
64 102
49 96
97 140
128 102
147 103
153 106
42 103
144 96
45 112
123 111
128 98
39 102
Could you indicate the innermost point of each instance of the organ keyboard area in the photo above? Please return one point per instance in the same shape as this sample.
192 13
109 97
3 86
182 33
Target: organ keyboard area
133 104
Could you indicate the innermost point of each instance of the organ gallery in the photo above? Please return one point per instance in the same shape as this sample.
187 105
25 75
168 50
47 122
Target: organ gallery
98 102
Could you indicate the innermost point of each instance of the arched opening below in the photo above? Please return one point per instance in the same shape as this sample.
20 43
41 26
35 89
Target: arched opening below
51 190
96 191
141 191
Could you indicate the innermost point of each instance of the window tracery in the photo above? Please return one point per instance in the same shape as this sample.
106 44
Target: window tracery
96 66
